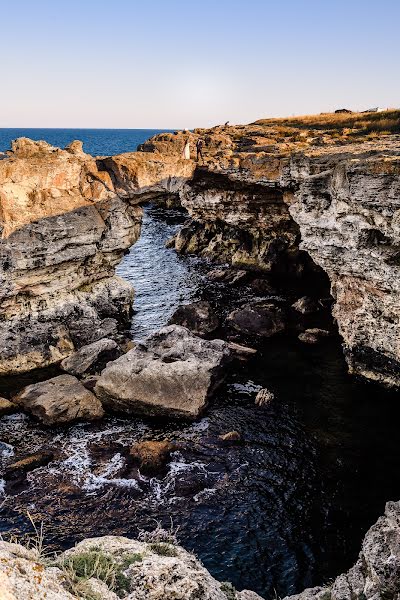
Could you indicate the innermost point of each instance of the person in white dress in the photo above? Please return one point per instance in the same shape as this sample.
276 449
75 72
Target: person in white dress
186 150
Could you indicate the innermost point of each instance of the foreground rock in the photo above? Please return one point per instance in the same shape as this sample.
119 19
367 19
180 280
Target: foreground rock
92 358
199 317
173 375
160 570
62 399
109 568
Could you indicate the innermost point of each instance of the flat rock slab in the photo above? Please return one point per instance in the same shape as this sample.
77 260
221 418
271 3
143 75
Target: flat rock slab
91 358
173 374
59 400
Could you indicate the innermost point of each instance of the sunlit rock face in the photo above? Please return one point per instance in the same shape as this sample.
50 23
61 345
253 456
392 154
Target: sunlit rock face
66 220
63 230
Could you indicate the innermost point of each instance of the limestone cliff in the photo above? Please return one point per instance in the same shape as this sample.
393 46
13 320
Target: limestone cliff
65 224
267 197
263 196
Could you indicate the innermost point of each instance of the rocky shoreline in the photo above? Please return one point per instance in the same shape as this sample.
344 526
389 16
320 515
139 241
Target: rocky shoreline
294 218
108 568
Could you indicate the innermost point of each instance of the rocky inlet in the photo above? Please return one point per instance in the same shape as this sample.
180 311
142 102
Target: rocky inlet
308 225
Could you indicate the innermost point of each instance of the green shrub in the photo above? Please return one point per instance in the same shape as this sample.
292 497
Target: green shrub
229 590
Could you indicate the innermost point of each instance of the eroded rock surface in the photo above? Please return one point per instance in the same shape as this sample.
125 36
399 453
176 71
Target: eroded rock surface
92 358
269 191
61 399
173 374
66 220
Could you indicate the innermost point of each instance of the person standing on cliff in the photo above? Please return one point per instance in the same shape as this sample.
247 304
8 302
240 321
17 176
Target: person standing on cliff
199 149
186 150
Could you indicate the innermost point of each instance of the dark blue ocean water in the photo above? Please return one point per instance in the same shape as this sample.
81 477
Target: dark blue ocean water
97 142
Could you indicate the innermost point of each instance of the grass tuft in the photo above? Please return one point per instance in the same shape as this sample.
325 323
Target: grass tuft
164 549
79 568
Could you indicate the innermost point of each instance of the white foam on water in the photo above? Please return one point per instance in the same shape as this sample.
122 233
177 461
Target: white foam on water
6 450
204 494
2 487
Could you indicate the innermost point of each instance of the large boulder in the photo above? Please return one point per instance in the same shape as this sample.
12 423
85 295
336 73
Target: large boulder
260 319
173 374
61 399
91 358
199 317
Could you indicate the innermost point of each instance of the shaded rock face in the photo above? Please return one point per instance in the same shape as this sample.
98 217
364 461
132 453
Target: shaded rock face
58 400
263 202
245 224
199 317
348 213
376 574
173 374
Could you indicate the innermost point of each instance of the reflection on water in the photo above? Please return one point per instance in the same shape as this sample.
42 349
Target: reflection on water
284 509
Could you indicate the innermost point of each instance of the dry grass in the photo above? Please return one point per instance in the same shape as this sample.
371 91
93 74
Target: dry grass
350 124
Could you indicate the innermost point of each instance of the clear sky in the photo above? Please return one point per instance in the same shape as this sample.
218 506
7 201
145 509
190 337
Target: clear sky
175 63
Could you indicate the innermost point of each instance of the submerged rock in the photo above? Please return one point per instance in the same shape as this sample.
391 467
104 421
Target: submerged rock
91 358
59 400
173 375
306 305
151 456
199 317
260 319
19 468
231 437
313 335
264 397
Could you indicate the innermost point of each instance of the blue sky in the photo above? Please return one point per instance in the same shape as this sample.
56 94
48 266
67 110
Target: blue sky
166 64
